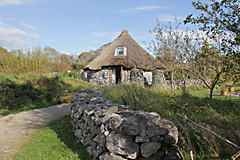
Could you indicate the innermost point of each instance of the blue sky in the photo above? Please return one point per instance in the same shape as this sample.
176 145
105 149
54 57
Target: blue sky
75 26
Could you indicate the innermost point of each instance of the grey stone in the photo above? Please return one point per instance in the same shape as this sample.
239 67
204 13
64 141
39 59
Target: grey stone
154 130
157 139
101 148
140 139
110 156
115 121
98 113
78 133
129 127
173 131
159 155
174 154
100 139
148 149
89 112
168 139
113 109
122 145
105 118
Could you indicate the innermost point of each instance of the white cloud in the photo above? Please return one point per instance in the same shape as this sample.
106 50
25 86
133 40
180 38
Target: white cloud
10 2
144 8
11 36
110 35
27 25
166 17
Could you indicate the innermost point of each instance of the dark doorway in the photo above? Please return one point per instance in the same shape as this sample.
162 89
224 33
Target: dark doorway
118 74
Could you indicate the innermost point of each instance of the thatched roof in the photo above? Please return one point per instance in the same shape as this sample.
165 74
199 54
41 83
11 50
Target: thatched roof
136 56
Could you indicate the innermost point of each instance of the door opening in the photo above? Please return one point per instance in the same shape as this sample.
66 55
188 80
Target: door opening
118 74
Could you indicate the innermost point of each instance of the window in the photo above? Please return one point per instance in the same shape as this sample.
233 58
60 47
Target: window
121 51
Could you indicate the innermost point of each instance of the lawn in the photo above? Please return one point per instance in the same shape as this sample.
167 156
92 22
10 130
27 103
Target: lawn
54 141
220 115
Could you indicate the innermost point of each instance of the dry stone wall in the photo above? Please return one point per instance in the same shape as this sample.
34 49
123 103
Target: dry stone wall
116 132
179 84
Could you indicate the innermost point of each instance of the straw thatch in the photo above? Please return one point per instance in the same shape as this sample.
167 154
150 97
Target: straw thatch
136 57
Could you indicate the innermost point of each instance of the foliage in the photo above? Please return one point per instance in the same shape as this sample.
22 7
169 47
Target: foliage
26 92
221 17
24 61
221 115
73 74
209 63
36 60
166 45
86 57
192 53
54 141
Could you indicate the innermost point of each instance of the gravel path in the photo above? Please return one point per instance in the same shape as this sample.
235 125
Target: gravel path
15 129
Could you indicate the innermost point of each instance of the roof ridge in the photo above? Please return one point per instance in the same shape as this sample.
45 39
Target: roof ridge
124 32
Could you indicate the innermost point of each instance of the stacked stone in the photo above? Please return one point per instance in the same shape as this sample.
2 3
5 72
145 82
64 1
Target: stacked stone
179 84
158 78
112 131
99 78
136 75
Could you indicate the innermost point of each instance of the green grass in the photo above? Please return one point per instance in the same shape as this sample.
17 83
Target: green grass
221 115
54 141
26 92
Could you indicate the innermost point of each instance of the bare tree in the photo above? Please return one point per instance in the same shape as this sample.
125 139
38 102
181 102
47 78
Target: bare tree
166 45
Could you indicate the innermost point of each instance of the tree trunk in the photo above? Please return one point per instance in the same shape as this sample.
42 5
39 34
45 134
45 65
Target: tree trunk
211 92
172 81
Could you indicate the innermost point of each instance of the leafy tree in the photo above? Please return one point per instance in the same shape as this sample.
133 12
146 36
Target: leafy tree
208 63
190 53
53 54
221 17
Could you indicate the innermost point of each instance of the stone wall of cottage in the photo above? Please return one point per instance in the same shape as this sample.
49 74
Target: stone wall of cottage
155 78
99 78
112 131
158 78
136 76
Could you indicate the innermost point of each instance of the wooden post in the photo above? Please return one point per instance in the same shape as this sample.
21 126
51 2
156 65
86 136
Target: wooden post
110 79
121 74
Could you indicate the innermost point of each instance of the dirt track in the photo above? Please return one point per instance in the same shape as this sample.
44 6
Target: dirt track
15 129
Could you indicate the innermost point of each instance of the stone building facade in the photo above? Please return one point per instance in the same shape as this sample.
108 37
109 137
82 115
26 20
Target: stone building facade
123 61
108 76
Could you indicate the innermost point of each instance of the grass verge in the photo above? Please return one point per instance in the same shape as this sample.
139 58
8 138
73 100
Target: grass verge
26 92
54 141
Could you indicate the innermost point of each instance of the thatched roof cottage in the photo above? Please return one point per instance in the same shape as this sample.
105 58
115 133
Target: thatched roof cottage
123 61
